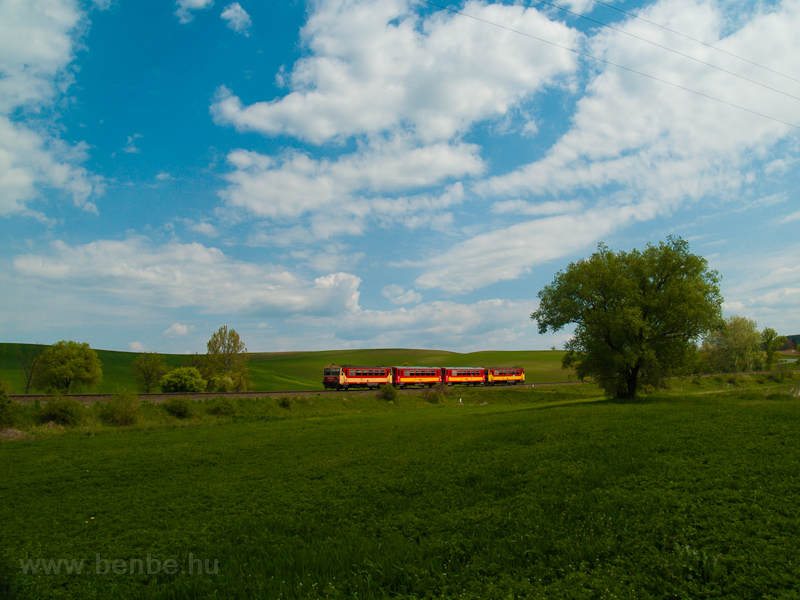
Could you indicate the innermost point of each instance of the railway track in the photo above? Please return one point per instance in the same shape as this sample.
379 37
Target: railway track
158 398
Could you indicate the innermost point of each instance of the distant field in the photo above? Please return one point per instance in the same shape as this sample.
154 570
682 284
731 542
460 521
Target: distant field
549 493
303 370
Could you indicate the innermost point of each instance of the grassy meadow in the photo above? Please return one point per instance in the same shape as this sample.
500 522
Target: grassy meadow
510 493
303 370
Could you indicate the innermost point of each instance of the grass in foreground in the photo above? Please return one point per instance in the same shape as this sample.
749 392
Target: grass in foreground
550 496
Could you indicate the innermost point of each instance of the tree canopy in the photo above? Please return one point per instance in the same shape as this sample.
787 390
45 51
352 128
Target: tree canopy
66 366
225 364
148 369
734 346
771 343
638 315
183 379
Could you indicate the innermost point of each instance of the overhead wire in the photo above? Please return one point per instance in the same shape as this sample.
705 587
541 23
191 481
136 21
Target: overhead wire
688 37
668 49
610 63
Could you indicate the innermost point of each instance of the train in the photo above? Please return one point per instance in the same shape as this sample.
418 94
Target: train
344 377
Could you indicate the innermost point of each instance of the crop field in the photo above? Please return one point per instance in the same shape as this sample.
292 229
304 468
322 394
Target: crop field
303 370
543 493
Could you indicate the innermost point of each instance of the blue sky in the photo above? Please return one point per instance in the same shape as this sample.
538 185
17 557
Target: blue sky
382 173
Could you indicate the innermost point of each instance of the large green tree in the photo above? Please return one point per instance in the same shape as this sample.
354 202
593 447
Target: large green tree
225 364
637 315
67 366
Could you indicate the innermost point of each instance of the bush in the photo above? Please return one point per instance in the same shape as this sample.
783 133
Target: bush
285 402
6 410
121 409
179 407
432 396
221 407
388 392
60 410
183 380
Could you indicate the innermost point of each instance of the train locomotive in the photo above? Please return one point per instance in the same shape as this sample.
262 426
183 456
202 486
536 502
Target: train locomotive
344 377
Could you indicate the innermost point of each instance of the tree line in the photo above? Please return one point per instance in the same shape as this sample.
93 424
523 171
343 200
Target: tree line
69 366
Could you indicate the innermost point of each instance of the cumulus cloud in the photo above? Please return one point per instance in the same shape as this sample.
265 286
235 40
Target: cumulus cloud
237 18
37 45
397 294
187 275
378 66
636 149
297 184
178 330
659 140
185 8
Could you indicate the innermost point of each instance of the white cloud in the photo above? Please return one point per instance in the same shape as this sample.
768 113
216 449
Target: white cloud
30 162
377 66
136 346
202 227
178 330
636 149
131 147
186 275
764 286
185 7
477 326
397 294
37 45
237 18
511 252
661 141
795 216
536 209
297 184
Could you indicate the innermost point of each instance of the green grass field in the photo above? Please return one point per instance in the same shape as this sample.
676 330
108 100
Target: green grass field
303 370
544 493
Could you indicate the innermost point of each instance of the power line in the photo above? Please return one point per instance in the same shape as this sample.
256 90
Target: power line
683 35
608 62
702 62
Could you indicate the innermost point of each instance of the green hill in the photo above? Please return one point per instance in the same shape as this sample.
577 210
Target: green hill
277 371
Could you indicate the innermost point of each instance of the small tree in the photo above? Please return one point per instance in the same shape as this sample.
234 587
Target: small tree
183 379
30 359
225 365
148 369
66 366
735 346
771 342
638 315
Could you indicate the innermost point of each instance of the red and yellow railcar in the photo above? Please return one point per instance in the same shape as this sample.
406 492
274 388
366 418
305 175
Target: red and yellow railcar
464 375
505 376
404 376
352 376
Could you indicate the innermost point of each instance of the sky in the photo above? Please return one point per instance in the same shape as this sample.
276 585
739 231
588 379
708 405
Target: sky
337 174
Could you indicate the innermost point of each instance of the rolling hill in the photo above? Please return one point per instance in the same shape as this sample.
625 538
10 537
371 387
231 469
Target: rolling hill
277 371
